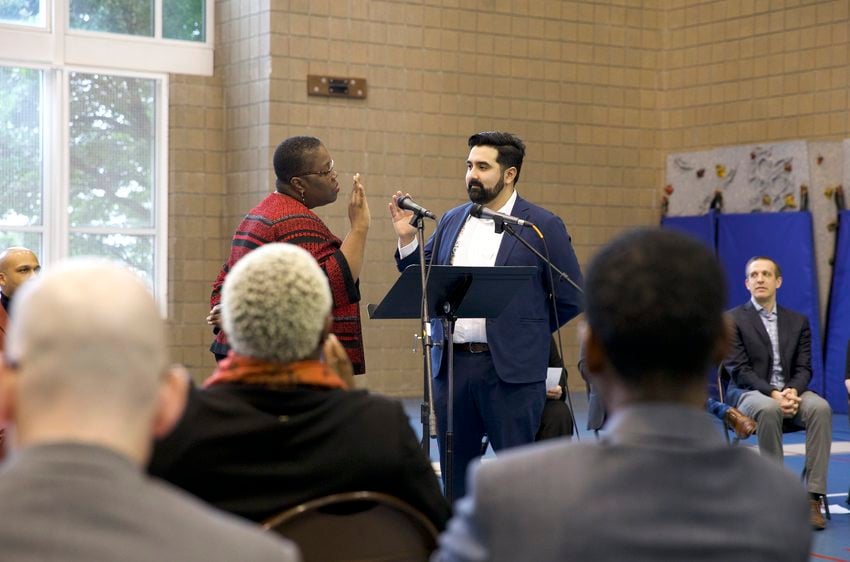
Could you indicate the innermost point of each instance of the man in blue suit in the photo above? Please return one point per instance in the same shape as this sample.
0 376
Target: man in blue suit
499 363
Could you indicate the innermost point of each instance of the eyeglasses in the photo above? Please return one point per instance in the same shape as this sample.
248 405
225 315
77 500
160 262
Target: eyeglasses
323 174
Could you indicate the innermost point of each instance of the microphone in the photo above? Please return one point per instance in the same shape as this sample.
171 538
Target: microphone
405 202
482 212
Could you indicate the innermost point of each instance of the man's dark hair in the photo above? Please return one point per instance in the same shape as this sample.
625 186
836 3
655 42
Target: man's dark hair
510 147
655 300
776 269
289 157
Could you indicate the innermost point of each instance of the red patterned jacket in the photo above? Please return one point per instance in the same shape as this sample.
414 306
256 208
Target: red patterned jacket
280 218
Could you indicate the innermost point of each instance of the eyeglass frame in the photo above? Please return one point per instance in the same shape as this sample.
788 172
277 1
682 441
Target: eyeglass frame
324 173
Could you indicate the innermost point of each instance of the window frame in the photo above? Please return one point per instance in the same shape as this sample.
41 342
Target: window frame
55 226
56 43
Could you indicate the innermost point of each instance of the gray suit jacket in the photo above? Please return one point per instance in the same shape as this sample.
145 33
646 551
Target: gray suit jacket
74 502
661 485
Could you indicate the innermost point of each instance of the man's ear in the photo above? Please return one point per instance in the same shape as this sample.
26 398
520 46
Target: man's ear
510 175
595 358
778 282
171 401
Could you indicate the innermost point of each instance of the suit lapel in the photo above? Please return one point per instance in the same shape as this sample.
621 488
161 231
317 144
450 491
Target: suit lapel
758 326
451 232
521 210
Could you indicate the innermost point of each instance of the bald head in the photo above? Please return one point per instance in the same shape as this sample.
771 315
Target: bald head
89 348
17 266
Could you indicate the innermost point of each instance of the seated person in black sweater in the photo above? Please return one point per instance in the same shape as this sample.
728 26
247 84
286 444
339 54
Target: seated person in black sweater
275 425
556 420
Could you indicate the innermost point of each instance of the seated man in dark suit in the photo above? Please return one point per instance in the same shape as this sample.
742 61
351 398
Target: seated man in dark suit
654 306
275 425
771 366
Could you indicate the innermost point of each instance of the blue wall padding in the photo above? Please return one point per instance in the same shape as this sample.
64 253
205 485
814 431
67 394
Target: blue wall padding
703 228
838 318
786 238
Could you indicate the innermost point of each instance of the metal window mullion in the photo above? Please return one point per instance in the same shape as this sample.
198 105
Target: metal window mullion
209 18
161 197
27 228
59 17
55 166
157 19
106 230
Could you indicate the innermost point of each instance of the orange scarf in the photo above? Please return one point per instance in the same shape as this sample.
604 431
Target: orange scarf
242 369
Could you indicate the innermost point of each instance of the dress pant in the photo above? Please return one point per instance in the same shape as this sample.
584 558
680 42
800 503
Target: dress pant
483 404
814 414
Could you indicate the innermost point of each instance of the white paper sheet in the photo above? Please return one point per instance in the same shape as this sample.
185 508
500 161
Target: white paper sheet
553 376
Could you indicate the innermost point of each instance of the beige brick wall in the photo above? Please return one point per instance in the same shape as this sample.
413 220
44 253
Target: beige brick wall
195 198
579 81
744 71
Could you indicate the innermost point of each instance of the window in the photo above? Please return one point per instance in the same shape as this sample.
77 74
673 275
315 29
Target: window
23 12
82 166
112 164
166 36
181 19
83 152
129 17
21 174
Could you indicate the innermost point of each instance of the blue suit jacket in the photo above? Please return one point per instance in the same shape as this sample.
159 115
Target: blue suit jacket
519 338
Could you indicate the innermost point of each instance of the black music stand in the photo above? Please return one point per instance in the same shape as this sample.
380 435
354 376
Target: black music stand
453 292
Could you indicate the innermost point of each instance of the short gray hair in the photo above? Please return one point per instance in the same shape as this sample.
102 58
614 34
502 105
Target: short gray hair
275 304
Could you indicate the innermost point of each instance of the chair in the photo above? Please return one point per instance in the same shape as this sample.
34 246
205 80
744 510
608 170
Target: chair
788 426
361 526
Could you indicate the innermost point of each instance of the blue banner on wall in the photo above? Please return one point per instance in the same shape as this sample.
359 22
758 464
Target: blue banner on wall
703 227
787 239
838 319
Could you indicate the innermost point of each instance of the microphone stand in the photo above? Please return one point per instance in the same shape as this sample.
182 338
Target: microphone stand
426 410
503 226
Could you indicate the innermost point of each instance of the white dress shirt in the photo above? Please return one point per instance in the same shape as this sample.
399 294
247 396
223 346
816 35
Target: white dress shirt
477 245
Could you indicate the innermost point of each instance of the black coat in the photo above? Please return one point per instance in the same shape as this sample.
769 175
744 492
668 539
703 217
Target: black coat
255 451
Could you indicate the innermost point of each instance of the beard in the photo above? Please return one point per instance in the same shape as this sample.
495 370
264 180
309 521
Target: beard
481 195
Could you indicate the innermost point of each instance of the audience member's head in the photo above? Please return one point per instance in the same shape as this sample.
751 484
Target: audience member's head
291 157
17 266
654 309
276 304
87 356
763 277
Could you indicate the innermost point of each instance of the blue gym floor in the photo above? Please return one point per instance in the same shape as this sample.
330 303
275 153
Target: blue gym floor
830 544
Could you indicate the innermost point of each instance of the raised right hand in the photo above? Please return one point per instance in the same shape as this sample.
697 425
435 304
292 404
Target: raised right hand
405 231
